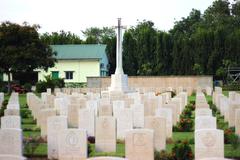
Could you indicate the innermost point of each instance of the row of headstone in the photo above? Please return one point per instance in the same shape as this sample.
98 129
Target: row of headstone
209 141
108 118
229 107
11 133
208 90
69 143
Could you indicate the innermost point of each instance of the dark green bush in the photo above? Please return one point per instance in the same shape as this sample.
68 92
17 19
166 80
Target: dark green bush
182 151
25 113
186 122
213 108
28 87
187 113
42 86
231 138
231 87
184 125
3 87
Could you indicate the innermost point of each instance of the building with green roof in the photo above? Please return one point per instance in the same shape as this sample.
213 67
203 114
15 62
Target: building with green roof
77 62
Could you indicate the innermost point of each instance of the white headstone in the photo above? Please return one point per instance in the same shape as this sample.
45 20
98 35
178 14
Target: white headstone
105 139
167 113
44 114
117 105
105 110
87 121
138 115
73 115
203 112
93 105
237 122
158 125
55 125
13 122
124 122
139 144
205 122
11 142
73 144
209 143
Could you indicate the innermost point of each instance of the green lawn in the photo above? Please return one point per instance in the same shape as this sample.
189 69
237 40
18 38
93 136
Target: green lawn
191 98
182 136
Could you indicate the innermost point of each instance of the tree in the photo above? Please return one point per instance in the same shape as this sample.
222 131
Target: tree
197 69
111 54
130 63
95 35
21 49
60 38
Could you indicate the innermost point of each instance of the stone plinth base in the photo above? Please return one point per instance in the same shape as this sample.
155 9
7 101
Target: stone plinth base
119 83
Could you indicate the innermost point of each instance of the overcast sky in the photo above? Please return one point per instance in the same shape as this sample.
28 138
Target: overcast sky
77 15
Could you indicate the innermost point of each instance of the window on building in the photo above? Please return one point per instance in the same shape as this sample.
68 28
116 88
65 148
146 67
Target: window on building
69 75
55 74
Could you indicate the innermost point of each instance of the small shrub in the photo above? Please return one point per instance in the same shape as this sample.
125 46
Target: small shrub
184 125
187 113
227 134
213 108
169 141
231 87
28 87
182 151
163 155
235 141
25 113
119 141
42 86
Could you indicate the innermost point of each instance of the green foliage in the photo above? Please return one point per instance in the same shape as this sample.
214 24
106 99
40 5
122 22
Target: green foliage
184 125
198 44
25 113
96 35
4 106
60 38
197 69
186 122
21 49
163 155
75 85
182 151
231 87
42 86
231 138
27 87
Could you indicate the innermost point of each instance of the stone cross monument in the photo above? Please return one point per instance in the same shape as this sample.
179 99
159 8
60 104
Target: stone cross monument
119 69
119 80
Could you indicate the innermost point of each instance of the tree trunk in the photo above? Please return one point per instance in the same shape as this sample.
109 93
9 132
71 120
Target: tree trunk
9 82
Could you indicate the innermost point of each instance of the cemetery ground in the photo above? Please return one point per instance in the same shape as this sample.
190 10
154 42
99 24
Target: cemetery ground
36 147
